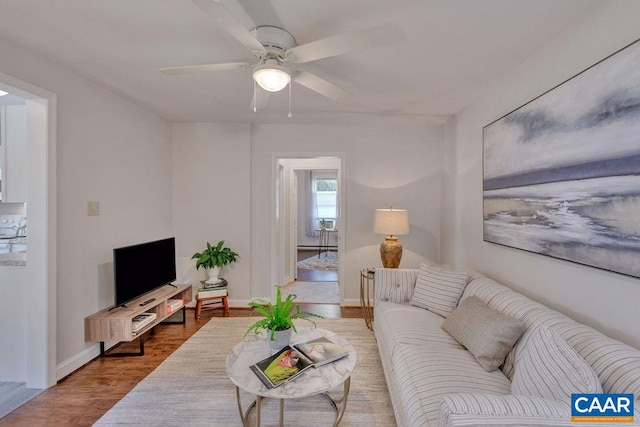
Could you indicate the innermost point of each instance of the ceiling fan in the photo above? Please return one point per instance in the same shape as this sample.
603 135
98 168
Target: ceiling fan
273 47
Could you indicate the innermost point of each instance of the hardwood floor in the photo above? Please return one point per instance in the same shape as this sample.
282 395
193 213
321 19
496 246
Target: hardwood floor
306 253
83 397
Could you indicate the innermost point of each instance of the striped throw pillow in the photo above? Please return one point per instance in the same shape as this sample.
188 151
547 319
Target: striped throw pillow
438 290
550 368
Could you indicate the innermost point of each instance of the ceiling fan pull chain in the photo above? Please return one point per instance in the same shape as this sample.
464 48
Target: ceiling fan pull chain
290 115
254 97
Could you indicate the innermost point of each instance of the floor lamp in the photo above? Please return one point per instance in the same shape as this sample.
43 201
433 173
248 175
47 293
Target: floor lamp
391 222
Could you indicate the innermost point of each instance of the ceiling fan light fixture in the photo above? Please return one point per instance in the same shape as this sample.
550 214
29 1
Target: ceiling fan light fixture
271 77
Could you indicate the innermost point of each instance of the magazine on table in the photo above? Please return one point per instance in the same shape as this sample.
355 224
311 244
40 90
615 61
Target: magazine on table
293 360
321 351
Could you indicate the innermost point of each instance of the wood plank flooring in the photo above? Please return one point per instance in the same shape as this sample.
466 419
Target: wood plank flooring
83 397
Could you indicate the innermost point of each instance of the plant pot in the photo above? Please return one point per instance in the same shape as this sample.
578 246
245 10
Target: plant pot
280 339
213 275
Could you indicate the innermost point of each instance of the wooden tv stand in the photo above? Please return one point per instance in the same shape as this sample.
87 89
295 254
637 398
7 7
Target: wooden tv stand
116 324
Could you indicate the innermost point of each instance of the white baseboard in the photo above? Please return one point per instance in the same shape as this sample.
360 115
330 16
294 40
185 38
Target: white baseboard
71 364
79 360
239 303
351 302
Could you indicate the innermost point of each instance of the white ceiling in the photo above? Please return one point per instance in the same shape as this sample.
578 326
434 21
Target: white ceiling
449 51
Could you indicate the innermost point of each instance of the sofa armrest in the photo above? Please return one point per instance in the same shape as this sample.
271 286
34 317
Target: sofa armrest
395 284
479 409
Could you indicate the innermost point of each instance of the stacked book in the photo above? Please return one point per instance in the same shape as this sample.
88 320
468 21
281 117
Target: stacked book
174 305
141 321
208 290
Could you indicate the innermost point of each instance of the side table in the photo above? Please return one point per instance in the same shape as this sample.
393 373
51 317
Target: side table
212 304
323 244
367 292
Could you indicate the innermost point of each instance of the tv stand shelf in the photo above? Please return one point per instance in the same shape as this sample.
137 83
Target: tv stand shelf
116 324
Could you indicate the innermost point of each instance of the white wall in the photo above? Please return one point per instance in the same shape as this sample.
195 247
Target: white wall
212 198
606 301
386 164
108 150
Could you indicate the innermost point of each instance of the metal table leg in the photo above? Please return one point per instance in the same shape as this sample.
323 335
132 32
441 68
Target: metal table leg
257 405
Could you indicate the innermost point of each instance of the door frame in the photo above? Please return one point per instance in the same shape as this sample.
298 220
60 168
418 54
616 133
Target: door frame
283 249
41 266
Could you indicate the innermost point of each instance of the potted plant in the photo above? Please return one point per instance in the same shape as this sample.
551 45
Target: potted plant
278 318
213 258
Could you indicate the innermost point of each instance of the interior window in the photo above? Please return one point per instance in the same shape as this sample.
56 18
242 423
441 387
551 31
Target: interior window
326 199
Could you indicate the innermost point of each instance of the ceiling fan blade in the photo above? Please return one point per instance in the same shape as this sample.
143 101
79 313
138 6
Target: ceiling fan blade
254 13
261 99
216 10
205 67
321 86
351 41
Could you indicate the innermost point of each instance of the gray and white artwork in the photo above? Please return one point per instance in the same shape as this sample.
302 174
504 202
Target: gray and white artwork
562 173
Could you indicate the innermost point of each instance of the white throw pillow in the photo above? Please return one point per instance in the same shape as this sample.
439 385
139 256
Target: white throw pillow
438 290
550 368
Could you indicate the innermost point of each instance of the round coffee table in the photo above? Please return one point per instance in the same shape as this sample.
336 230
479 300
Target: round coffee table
313 381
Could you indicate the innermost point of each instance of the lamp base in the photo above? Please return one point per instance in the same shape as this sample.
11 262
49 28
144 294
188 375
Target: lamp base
390 252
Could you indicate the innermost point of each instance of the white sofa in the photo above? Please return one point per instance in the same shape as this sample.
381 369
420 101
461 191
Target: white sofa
434 381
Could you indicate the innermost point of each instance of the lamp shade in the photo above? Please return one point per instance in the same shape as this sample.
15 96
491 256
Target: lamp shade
391 222
271 77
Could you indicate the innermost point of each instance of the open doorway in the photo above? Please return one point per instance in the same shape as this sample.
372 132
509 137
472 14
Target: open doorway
317 225
28 269
309 215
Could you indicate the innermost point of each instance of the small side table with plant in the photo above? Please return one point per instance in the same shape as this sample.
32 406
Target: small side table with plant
213 258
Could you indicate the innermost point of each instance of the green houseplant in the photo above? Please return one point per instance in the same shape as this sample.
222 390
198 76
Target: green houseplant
278 317
213 258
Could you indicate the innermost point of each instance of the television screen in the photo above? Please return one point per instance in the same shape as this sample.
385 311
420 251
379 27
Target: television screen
141 268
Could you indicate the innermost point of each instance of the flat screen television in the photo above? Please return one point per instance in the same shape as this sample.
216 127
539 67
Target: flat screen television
141 268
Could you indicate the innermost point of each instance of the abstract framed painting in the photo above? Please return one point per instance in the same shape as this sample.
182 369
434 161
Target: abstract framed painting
561 174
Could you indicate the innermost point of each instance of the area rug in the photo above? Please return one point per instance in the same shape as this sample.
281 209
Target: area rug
191 386
313 292
327 261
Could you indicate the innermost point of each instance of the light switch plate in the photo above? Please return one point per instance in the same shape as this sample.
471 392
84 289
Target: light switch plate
93 208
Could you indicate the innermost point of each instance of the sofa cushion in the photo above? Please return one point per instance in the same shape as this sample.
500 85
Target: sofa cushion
425 373
395 284
550 368
488 334
438 290
409 325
